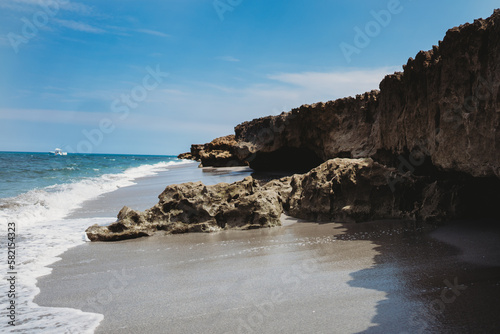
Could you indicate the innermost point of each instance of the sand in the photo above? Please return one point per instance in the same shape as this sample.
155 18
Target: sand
303 277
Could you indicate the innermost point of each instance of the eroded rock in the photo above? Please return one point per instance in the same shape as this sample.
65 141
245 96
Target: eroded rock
195 207
342 190
220 152
446 103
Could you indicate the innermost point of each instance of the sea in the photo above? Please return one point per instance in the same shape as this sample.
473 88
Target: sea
37 193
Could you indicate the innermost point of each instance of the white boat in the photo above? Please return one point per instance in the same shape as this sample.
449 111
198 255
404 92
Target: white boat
58 151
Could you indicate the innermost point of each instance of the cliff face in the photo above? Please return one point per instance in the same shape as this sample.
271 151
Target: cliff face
424 147
445 105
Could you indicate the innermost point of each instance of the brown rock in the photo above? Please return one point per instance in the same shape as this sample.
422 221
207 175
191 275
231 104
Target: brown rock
194 207
445 103
338 190
218 153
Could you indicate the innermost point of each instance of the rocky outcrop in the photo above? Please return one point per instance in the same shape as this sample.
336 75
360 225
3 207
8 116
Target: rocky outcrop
194 207
220 152
445 103
424 147
356 190
342 190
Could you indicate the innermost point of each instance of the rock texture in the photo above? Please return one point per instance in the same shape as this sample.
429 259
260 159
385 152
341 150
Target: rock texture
446 103
194 207
424 147
355 190
220 152
342 190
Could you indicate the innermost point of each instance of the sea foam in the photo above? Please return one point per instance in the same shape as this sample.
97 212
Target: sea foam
42 234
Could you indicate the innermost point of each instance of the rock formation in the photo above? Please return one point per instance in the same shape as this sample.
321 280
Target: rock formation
220 152
194 207
424 147
445 103
342 190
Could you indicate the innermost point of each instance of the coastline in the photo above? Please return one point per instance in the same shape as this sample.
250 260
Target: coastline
140 192
302 277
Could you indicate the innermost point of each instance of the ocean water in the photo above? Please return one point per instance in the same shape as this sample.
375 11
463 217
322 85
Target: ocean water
37 192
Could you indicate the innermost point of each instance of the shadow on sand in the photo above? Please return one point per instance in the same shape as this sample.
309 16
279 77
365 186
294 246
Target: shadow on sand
436 279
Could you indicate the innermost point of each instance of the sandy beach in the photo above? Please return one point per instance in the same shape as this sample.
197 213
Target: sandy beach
302 277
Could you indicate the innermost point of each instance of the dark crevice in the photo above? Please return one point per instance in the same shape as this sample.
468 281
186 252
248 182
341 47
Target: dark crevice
286 159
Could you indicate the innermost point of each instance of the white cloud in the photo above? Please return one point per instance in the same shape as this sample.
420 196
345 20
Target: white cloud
153 32
335 84
205 110
80 26
29 5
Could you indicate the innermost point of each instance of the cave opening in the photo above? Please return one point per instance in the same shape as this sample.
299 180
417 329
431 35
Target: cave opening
286 159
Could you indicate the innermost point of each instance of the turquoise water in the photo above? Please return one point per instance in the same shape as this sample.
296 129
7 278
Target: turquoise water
37 193
22 172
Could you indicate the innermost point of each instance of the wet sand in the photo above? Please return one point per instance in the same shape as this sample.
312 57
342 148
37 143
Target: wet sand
144 194
303 277
382 277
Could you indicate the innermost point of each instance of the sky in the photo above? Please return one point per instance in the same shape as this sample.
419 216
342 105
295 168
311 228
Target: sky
154 77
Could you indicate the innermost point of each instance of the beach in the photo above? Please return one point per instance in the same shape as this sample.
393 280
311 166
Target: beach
302 277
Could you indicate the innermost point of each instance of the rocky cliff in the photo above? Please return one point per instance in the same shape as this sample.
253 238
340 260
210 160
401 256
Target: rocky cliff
220 152
342 190
445 105
424 147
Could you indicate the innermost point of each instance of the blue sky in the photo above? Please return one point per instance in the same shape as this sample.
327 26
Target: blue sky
153 77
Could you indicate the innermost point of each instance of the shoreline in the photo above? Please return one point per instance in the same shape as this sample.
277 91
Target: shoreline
299 277
101 210
376 277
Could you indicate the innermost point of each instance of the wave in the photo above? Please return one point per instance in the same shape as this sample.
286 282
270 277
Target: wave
43 233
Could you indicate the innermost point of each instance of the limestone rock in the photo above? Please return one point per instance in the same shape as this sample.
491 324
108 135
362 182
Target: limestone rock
340 190
218 153
357 190
445 103
195 207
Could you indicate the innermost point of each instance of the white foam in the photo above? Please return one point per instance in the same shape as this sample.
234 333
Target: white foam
42 234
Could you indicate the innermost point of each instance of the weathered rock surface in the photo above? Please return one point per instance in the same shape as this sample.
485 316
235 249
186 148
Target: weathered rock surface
220 152
194 207
342 190
437 121
355 190
446 103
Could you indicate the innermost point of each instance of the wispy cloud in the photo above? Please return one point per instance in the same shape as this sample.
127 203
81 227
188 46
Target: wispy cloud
227 58
79 26
338 84
153 32
29 5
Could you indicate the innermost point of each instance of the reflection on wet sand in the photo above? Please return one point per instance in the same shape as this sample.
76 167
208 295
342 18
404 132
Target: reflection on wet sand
379 277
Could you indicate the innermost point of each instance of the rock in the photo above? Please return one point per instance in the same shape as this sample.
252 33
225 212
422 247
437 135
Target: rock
342 190
218 153
446 104
424 147
186 156
194 207
356 190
